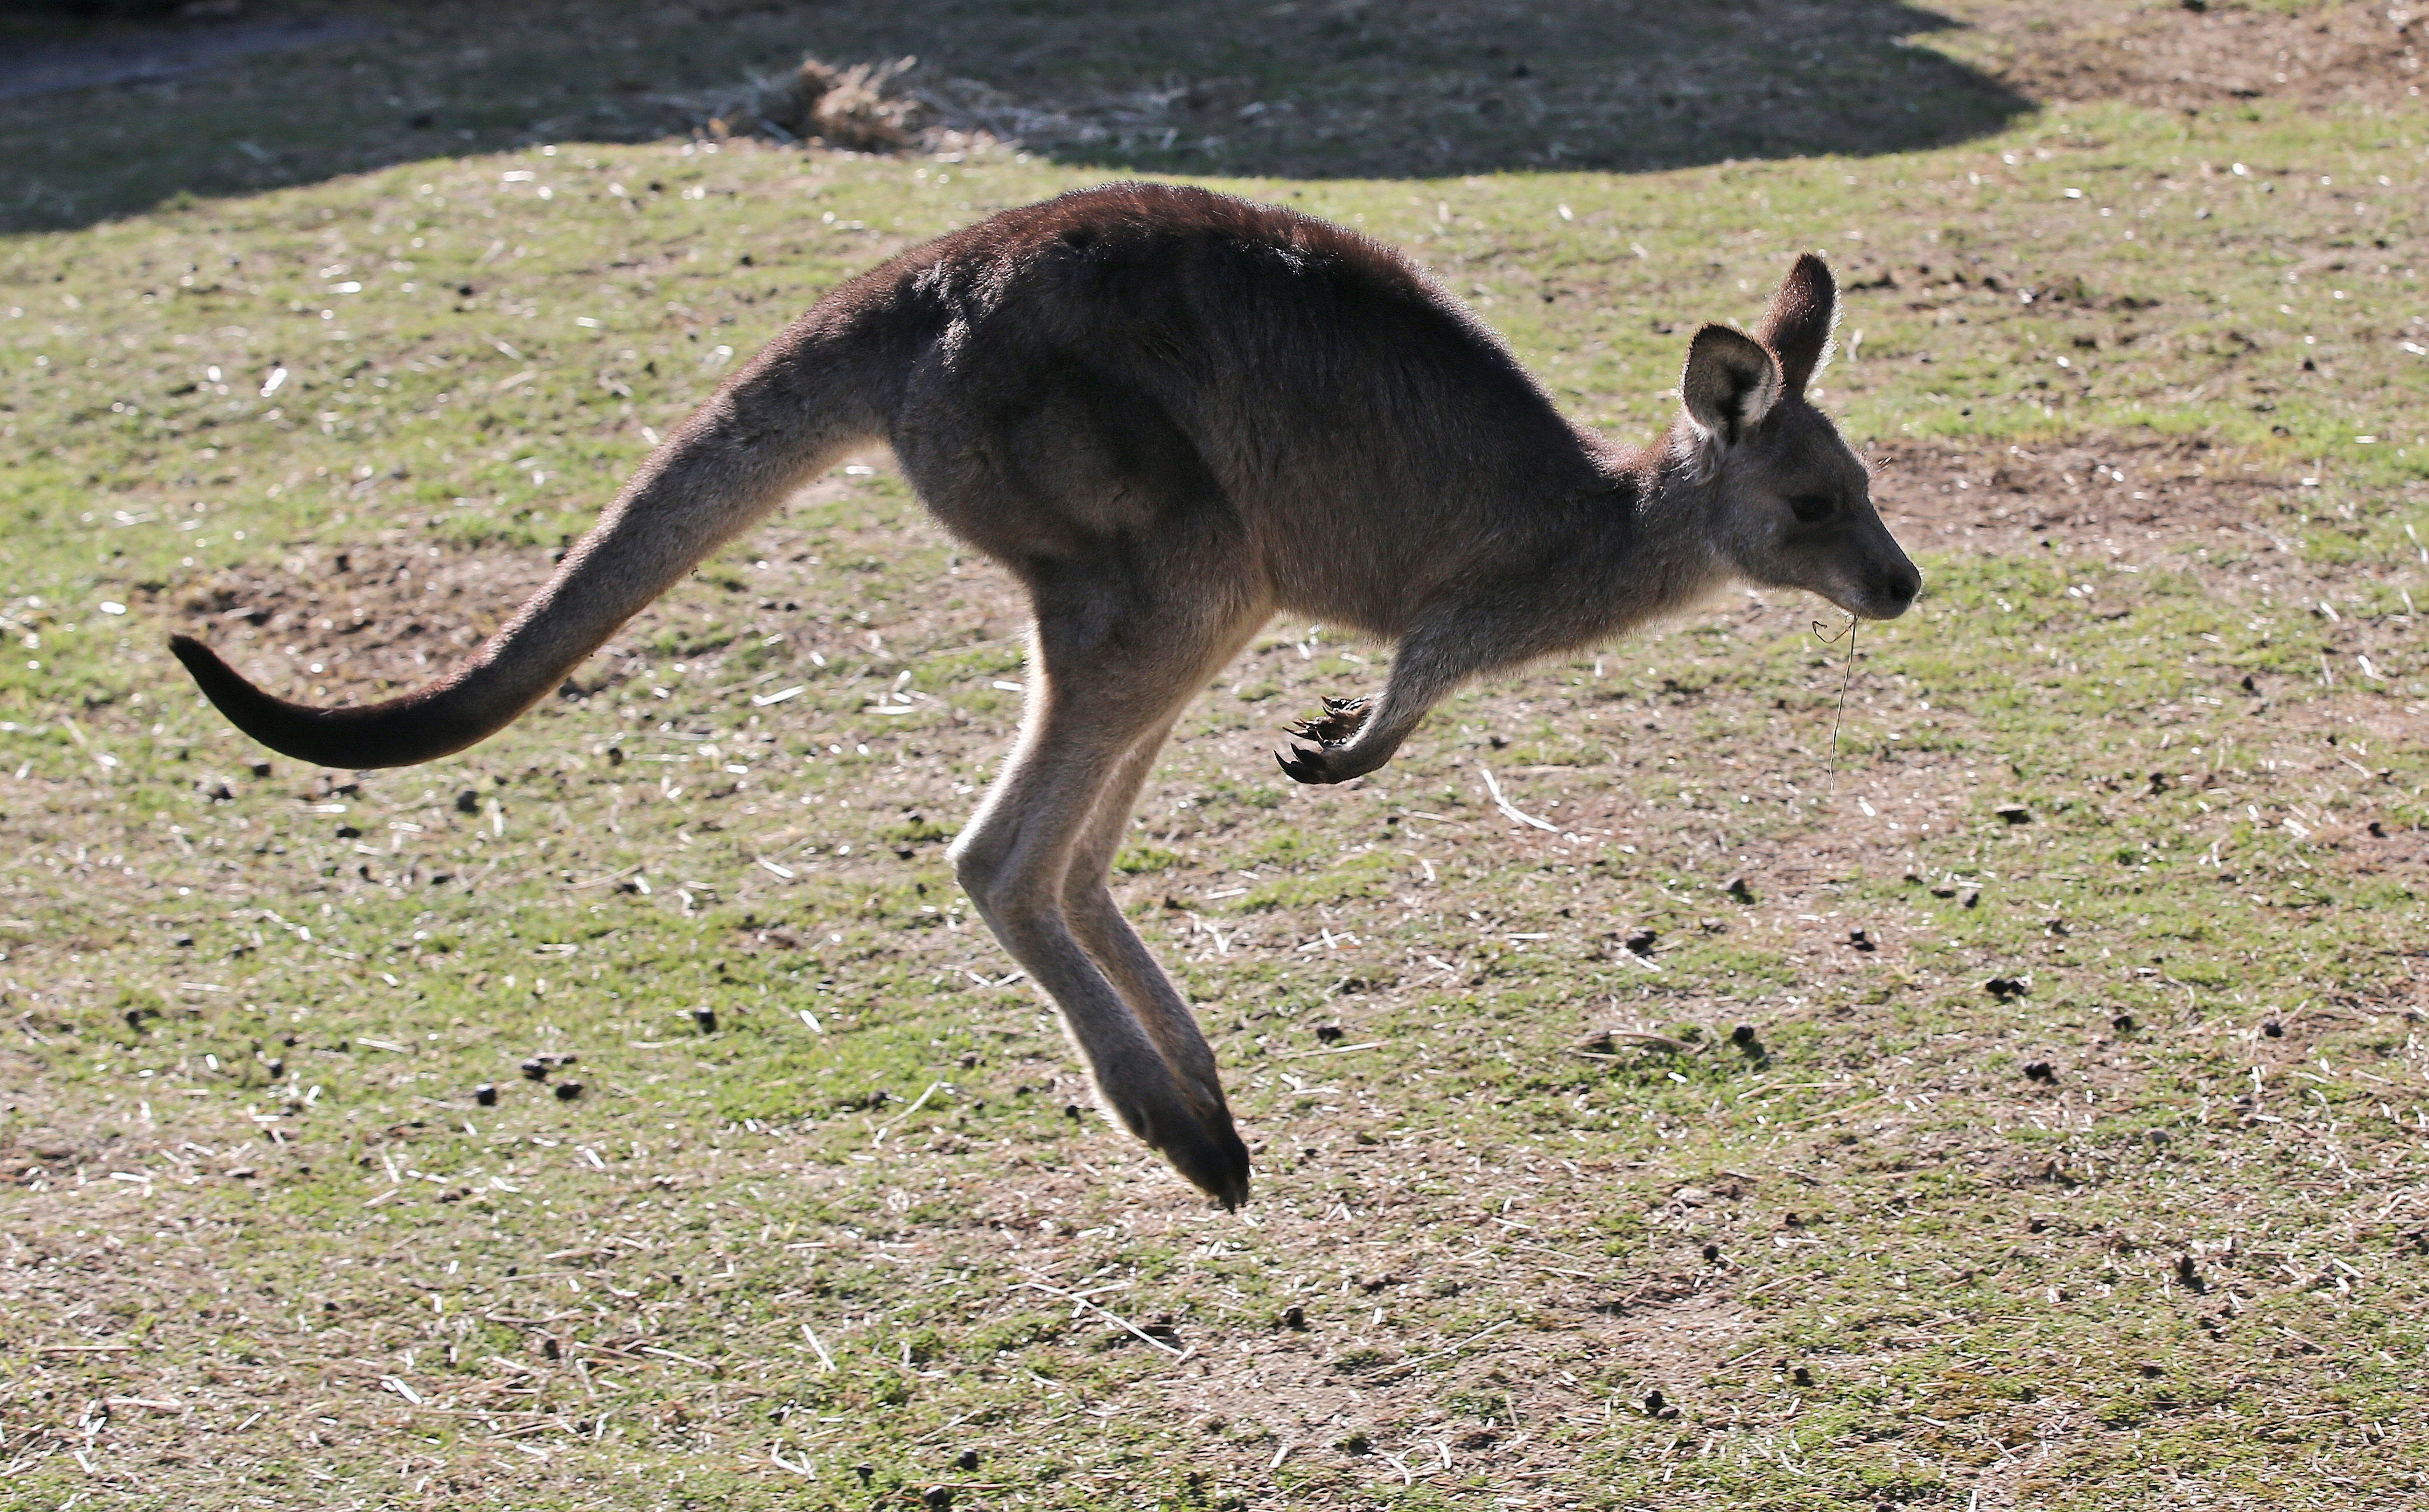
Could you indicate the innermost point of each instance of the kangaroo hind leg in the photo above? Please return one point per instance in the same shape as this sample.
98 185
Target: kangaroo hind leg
1108 936
1114 668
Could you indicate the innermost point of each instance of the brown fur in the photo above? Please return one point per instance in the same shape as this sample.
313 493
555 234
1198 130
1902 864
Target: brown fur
1172 414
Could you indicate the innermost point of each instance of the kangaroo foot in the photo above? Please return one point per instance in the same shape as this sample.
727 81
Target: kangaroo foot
1200 1142
1213 1160
1331 730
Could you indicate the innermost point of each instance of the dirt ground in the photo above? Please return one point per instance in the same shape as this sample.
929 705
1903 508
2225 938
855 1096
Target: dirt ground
2196 57
1367 1220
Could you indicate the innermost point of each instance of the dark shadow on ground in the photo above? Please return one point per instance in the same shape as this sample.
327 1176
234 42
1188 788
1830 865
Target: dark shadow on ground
64 59
1341 88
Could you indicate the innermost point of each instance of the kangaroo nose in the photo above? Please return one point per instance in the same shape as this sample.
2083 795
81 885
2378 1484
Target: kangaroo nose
1903 587
1898 589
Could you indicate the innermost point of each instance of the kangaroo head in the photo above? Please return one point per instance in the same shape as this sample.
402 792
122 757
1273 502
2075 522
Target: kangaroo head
1792 506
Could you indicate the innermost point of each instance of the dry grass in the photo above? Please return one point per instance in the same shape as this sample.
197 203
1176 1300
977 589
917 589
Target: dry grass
856 108
2138 1227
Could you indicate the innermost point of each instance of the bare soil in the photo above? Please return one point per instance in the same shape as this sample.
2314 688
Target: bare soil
2186 56
2132 498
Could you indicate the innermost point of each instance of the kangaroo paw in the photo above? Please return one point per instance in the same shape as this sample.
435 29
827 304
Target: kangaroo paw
1341 719
1329 731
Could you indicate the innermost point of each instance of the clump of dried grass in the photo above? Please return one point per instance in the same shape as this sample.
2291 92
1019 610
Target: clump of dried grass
849 107
863 108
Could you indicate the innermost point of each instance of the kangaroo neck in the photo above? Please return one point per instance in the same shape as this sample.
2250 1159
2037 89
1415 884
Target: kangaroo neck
1657 554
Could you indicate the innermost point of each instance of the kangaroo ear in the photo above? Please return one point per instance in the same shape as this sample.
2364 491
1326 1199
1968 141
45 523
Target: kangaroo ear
1798 325
1731 382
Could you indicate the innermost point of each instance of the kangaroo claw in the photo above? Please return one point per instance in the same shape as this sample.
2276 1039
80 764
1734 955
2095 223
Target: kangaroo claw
1304 763
1341 719
1331 730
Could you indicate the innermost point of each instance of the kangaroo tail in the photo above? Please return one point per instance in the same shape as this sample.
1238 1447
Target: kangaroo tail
787 416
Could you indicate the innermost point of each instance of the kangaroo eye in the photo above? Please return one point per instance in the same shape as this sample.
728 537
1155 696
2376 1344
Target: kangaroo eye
1812 509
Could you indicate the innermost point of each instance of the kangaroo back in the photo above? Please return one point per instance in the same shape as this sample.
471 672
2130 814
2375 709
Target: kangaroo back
824 386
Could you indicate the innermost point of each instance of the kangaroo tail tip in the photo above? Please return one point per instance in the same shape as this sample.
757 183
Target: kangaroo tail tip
267 719
351 738
218 681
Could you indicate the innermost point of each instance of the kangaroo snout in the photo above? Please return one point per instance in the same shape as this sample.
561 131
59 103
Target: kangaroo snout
1868 586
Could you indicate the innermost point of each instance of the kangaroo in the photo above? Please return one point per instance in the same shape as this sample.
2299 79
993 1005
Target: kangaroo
1171 414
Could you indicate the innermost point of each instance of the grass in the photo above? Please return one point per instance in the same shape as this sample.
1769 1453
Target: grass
2140 1228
